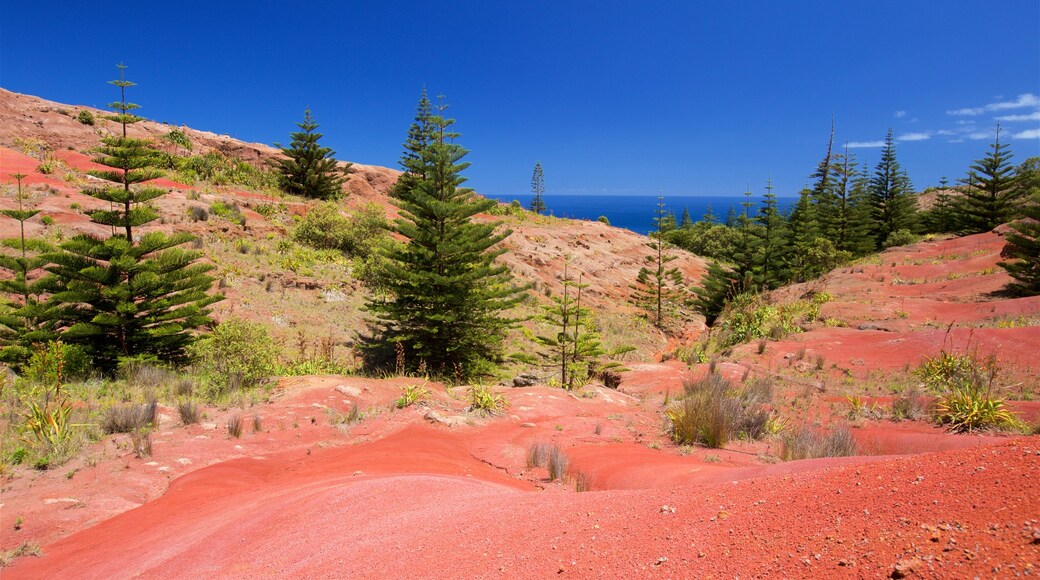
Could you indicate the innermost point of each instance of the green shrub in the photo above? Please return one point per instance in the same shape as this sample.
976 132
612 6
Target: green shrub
971 408
85 117
901 238
47 220
325 228
231 213
46 167
603 220
238 354
56 363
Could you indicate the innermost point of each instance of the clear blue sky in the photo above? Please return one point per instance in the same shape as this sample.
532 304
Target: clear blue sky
678 97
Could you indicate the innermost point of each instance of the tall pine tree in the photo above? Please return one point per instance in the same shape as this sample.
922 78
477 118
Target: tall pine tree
310 170
891 196
26 318
446 298
538 188
1022 251
991 193
129 295
659 290
770 271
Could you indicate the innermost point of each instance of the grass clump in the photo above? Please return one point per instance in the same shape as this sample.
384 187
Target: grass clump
538 454
234 426
557 464
130 418
710 412
7 557
188 412
484 400
909 405
411 395
808 443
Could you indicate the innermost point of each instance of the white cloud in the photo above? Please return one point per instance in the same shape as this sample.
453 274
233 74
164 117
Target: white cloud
1024 100
865 144
1027 134
980 135
900 114
1030 117
945 132
914 137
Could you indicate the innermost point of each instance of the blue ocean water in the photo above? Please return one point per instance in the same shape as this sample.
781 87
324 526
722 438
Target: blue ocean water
636 212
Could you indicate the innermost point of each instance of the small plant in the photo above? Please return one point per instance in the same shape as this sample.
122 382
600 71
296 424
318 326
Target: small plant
85 117
410 395
46 167
761 346
910 405
711 413
861 410
712 458
47 220
234 426
188 412
557 464
142 442
972 408
484 400
258 424
582 483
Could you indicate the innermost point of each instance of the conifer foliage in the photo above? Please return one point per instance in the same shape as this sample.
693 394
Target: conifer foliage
538 189
991 191
309 169
27 318
129 295
1023 251
445 296
891 196
659 289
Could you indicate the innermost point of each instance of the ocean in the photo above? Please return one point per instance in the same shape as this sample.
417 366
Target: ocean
637 212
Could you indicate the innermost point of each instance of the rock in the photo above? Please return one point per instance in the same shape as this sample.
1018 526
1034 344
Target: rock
208 426
435 417
527 425
904 568
525 380
349 391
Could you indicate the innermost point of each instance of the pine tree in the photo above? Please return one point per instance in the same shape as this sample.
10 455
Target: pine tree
823 191
991 194
538 188
718 286
685 221
940 217
575 349
129 295
1022 251
445 294
769 264
309 169
852 219
659 289
891 195
743 252
420 137
804 233
27 318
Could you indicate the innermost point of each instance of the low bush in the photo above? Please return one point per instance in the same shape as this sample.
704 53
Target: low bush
807 443
238 354
86 117
326 228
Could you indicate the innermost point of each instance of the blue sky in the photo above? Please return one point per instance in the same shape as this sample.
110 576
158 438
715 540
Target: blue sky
640 97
